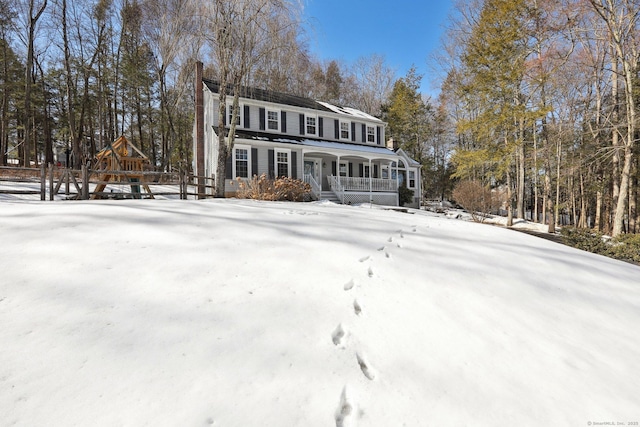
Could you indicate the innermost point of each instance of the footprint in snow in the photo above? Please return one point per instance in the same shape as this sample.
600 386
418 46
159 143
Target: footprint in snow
382 248
338 335
366 368
366 258
370 272
345 410
390 239
357 308
349 285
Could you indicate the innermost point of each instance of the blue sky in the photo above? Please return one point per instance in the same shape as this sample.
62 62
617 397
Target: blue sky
406 32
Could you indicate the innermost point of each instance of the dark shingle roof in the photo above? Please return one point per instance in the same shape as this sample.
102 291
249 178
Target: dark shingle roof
269 96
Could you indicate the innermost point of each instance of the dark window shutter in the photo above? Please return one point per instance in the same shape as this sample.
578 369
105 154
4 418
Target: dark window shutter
271 164
361 167
247 117
364 133
375 171
379 132
334 168
350 169
229 166
320 129
224 118
302 124
336 123
283 118
294 165
263 120
254 162
353 131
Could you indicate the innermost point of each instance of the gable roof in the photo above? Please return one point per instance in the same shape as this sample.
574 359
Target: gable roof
292 100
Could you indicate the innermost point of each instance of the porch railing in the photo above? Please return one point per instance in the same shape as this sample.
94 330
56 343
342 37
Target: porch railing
336 187
316 190
365 184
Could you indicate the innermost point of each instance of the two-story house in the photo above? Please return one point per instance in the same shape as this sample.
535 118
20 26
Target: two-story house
339 151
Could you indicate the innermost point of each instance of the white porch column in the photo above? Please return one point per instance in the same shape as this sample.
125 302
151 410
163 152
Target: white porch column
338 169
370 183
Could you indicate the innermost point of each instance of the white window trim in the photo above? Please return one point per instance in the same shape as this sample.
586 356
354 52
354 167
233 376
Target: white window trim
374 135
312 116
240 115
233 158
275 161
348 137
414 179
346 169
266 119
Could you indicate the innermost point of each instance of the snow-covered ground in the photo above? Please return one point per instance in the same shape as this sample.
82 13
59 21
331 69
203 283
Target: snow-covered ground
244 313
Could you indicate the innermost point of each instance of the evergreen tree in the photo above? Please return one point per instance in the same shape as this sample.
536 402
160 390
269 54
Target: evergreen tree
408 116
493 65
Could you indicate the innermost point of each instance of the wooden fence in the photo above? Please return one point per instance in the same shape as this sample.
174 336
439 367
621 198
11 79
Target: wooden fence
84 184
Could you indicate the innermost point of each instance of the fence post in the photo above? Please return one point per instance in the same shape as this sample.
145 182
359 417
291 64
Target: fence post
66 180
85 183
51 186
183 184
43 183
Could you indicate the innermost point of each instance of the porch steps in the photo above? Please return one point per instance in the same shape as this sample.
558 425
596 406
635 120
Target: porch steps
329 195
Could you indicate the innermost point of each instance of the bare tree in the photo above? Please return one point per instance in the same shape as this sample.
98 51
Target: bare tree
374 81
621 19
242 32
34 14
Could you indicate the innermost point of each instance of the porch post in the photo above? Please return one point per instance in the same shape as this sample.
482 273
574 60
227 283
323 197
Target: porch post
338 169
370 183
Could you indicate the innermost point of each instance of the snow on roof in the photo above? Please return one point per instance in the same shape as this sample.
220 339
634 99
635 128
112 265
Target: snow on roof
262 136
349 111
339 146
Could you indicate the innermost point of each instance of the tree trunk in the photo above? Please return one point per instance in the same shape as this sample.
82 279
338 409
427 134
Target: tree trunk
28 114
598 221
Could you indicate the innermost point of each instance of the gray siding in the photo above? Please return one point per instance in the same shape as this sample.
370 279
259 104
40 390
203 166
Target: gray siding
263 161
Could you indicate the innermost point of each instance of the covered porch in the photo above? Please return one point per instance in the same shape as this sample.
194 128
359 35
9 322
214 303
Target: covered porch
352 178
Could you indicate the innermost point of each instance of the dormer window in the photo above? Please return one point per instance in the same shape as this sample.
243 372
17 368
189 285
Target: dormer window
273 120
371 134
345 130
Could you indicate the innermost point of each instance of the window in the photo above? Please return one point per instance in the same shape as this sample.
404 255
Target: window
412 179
230 115
311 126
345 130
371 134
241 160
343 169
273 120
282 164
